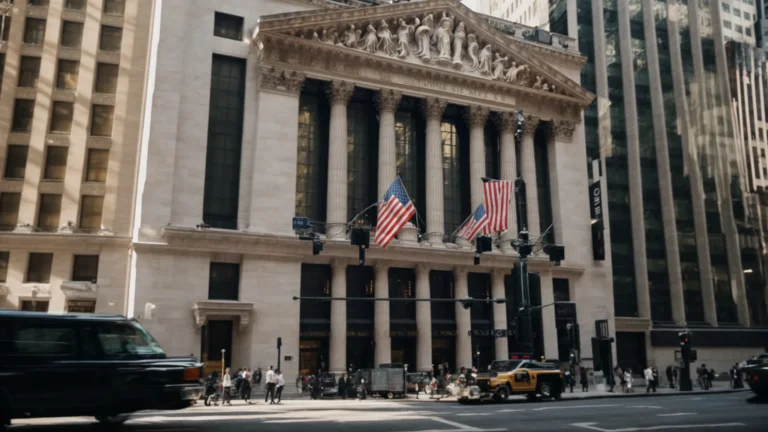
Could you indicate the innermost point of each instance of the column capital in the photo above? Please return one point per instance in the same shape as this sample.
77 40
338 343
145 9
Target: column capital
477 115
530 123
380 266
281 80
339 264
507 121
340 92
499 273
423 268
563 129
460 272
387 100
433 108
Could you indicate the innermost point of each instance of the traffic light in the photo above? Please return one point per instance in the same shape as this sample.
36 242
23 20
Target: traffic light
317 246
685 363
685 345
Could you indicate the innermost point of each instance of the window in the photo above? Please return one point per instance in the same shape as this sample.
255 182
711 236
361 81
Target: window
228 26
738 29
40 3
359 172
4 257
16 162
98 160
34 32
311 154
22 115
34 305
43 339
748 31
127 339
451 178
71 34
106 78
66 77
49 212
114 7
55 163
39 267
61 118
111 37
9 210
85 268
6 29
727 24
737 13
74 4
90 212
224 281
726 7
101 120
29 71
225 128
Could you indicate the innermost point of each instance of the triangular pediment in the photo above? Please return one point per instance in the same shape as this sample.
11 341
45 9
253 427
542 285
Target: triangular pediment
440 34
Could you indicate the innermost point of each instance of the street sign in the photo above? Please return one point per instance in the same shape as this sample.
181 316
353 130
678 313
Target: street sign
301 223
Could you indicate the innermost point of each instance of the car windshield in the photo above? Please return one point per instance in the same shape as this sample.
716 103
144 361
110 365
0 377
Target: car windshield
127 339
505 365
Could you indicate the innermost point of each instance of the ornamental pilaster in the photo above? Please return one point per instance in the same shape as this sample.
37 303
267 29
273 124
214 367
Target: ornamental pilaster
275 79
563 130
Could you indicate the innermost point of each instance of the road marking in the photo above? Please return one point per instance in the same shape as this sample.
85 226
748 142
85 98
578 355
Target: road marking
674 414
573 407
510 410
473 414
454 424
592 426
646 406
697 398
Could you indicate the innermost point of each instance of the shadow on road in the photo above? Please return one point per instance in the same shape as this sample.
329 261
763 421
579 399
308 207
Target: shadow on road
758 400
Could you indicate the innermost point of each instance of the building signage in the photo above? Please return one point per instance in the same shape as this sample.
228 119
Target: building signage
81 306
443 333
358 333
315 334
409 333
482 332
596 213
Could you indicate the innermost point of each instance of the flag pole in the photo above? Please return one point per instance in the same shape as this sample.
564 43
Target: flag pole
463 223
409 197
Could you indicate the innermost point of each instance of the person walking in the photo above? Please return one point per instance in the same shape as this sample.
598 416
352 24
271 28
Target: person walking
670 378
271 381
226 386
280 386
650 383
245 389
343 386
620 375
257 378
628 380
584 380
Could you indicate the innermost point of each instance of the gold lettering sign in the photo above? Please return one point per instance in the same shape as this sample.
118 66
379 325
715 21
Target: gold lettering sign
81 306
314 334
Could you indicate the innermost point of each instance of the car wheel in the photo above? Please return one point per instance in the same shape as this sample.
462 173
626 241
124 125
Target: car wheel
390 395
545 389
112 419
502 394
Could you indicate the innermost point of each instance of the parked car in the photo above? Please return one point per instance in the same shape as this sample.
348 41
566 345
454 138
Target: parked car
106 366
515 377
756 374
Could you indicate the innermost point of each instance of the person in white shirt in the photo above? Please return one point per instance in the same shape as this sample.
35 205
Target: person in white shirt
271 381
280 386
226 386
245 388
650 382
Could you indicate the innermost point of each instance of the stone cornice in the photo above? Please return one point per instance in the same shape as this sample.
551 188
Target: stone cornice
55 241
289 248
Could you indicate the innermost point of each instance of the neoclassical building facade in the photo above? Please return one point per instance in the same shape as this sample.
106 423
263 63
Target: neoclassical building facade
307 109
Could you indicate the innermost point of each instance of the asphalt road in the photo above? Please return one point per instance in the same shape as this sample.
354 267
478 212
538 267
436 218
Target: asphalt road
717 412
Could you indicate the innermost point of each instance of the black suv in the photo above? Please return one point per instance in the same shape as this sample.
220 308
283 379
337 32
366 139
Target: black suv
104 366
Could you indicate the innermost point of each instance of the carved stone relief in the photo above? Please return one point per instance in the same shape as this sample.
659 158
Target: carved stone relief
276 79
387 100
432 39
564 129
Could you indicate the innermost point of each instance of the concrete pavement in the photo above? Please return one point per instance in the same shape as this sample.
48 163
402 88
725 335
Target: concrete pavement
691 412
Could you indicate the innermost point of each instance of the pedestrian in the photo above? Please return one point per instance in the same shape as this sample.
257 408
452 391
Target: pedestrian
584 379
710 377
620 375
271 381
280 386
650 383
670 378
628 380
569 380
245 388
343 386
226 386
675 374
257 378
656 381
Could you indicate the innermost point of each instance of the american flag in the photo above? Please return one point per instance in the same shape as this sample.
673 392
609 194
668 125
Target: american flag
394 212
478 221
496 194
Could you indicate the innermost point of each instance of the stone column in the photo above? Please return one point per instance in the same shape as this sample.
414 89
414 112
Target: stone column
548 324
507 123
476 118
463 320
339 93
528 172
433 112
387 101
500 313
383 352
338 342
423 320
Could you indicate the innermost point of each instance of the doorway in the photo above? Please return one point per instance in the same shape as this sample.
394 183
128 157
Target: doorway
313 354
444 352
216 336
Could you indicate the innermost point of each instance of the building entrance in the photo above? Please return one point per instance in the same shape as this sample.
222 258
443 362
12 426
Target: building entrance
313 356
404 351
444 351
215 337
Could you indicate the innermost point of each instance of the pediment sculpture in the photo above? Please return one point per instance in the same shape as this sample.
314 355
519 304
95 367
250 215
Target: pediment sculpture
434 39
